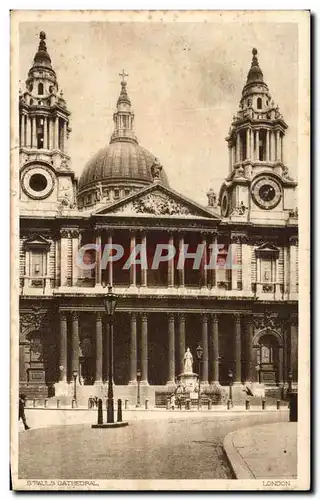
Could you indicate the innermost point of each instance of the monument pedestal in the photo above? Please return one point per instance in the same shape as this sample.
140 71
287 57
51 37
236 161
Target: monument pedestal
189 381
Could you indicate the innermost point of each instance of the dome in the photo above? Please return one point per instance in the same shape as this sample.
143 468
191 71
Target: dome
120 161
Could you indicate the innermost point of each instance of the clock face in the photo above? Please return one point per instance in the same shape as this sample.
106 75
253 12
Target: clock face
225 204
37 182
266 192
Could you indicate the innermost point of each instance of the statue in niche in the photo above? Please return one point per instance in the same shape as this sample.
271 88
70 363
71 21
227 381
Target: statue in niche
188 361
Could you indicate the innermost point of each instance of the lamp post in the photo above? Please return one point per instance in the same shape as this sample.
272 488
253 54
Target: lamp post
110 303
230 375
75 374
290 382
138 393
199 352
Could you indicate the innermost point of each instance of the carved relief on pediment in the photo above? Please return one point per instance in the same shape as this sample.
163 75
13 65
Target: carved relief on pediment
156 204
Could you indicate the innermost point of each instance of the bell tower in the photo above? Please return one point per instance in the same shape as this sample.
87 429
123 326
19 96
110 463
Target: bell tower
258 185
44 134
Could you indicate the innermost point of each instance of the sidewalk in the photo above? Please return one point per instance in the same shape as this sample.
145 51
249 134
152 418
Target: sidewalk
263 451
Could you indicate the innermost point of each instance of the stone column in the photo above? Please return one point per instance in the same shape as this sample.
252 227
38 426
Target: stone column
182 339
272 146
267 146
29 132
281 365
75 245
293 358
246 264
110 263
75 342
248 149
250 377
237 147
133 350
252 145
293 264
144 272
205 363
278 156
171 350
204 271
213 257
171 264
22 132
50 141
99 348
230 158
34 132
133 273
144 350
63 347
181 271
45 133
234 263
56 133
237 319
257 145
282 149
64 257
98 260
215 348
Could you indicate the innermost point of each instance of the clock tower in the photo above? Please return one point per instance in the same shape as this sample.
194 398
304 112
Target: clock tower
46 179
258 188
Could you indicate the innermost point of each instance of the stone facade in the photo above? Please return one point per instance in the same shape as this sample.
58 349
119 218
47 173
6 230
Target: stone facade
243 311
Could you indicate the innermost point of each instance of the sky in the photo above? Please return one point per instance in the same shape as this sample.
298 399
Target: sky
185 82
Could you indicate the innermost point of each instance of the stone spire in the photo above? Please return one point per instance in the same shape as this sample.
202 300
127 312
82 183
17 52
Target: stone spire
123 117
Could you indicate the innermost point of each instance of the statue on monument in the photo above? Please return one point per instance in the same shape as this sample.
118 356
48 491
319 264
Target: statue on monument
188 359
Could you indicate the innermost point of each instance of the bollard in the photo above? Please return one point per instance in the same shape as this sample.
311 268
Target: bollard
180 404
228 404
34 403
247 404
58 403
146 403
168 403
45 403
188 404
263 404
119 413
100 413
126 404
210 404
278 404
74 403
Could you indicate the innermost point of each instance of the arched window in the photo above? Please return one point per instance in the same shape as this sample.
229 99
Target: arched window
259 103
40 89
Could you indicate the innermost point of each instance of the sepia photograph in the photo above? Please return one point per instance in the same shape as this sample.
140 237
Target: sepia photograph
159 218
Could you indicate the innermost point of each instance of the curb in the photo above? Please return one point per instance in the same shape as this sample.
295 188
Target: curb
236 462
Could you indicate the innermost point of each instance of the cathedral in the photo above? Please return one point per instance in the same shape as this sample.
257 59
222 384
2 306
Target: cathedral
240 303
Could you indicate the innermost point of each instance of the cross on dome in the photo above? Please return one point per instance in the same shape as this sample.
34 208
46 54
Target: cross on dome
123 75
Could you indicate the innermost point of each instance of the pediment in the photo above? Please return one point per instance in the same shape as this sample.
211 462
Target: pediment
158 201
267 249
37 241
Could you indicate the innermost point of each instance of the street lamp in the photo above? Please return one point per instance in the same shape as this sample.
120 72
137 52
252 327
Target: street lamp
199 352
230 375
110 303
138 393
75 374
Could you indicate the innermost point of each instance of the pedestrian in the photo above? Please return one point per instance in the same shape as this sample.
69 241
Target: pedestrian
173 401
22 402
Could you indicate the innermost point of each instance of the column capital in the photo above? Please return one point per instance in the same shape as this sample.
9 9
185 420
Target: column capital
63 315
171 316
204 318
144 316
181 316
133 315
237 317
75 315
215 318
293 240
99 315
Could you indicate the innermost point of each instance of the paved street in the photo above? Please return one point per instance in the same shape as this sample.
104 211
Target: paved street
189 448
